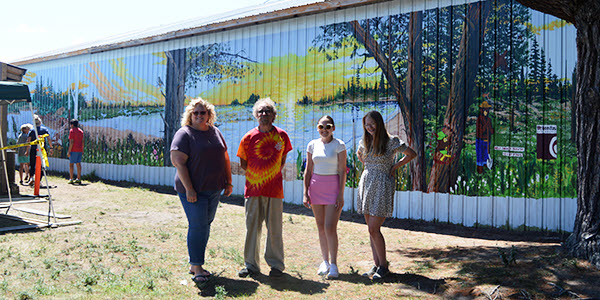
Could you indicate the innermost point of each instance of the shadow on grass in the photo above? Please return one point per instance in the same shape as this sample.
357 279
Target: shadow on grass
233 287
429 227
288 282
14 225
418 282
541 270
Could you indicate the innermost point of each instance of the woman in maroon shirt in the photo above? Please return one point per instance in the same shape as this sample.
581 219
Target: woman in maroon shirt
199 153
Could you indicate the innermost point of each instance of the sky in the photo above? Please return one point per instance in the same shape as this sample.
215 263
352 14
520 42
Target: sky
38 26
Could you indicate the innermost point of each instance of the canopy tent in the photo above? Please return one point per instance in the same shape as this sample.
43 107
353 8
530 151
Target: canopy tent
13 92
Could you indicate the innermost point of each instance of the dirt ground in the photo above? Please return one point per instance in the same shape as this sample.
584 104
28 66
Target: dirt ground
427 260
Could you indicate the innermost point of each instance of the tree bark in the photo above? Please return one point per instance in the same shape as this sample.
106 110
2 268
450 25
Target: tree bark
584 242
442 176
174 97
414 93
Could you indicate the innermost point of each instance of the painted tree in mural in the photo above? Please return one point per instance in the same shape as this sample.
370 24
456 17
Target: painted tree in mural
461 96
385 39
187 67
414 93
584 242
174 96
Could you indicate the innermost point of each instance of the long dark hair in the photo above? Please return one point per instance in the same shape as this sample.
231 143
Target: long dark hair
377 142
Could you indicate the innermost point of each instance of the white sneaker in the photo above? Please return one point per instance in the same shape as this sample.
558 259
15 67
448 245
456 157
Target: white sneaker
333 271
323 268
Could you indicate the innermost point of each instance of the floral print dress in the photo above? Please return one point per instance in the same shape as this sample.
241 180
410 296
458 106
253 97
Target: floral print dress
376 187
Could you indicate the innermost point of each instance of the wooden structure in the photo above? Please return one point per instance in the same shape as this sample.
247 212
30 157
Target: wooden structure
11 91
10 73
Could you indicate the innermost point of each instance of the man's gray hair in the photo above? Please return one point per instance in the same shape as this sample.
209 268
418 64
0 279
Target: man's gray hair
263 101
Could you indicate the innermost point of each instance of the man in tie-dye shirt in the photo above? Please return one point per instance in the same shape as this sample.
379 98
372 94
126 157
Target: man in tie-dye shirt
262 154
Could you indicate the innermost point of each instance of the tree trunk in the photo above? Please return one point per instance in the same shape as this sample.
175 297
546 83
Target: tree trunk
584 242
461 96
174 97
414 93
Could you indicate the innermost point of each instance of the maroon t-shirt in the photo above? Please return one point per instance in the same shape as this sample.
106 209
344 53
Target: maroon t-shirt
206 158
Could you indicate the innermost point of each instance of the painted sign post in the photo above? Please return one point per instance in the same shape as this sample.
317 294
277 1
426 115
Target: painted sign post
547 143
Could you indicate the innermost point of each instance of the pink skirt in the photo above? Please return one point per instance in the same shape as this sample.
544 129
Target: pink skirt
324 189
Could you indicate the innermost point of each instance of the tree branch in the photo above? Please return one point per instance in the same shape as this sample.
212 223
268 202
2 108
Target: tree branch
563 9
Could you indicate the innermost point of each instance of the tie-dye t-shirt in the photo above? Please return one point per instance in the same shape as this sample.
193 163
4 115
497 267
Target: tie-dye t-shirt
263 151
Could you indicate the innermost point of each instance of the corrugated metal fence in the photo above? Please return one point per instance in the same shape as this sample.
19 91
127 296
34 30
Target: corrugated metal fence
439 67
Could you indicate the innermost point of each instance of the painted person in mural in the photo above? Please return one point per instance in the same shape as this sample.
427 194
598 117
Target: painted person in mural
199 153
23 157
377 151
75 152
262 152
324 182
41 130
483 136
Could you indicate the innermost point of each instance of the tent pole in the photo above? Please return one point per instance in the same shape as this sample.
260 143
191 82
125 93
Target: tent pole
51 213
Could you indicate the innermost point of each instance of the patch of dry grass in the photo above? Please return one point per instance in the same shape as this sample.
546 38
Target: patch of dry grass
132 244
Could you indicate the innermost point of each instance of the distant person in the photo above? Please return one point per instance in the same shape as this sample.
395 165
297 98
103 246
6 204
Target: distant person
262 152
483 135
75 152
199 153
41 130
23 152
324 183
377 151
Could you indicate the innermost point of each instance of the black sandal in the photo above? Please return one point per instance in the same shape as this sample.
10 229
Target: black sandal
208 274
200 279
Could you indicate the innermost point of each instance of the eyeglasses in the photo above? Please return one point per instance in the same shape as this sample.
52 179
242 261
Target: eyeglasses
327 126
265 111
202 113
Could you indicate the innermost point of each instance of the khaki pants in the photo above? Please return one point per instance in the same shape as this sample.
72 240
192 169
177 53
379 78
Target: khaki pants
270 210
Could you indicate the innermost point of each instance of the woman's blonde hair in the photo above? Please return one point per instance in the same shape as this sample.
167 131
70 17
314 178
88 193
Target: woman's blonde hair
378 141
186 119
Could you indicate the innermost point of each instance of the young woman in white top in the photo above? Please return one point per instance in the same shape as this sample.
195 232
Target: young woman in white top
324 181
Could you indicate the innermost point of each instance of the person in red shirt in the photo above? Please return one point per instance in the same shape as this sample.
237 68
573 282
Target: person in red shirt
75 152
262 152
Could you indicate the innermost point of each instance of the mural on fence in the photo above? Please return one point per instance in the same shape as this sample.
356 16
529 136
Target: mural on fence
481 91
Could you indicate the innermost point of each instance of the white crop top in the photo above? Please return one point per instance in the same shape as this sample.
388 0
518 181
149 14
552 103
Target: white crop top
325 156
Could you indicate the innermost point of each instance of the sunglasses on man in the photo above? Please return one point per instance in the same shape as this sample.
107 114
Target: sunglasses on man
202 113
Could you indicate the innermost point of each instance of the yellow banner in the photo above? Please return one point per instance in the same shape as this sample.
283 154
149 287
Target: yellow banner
39 141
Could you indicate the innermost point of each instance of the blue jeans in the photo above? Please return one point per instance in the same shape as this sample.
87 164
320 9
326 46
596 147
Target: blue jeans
200 215
481 149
